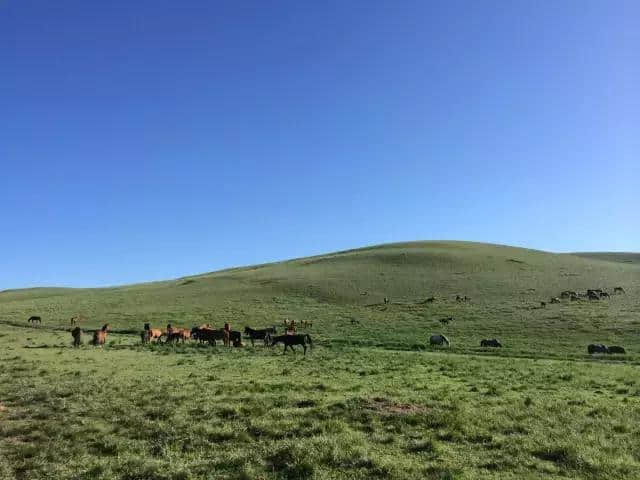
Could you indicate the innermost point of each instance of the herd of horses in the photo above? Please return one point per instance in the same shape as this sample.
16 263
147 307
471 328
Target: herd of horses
205 334
590 294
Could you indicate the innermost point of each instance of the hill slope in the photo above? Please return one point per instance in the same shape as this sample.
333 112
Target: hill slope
505 285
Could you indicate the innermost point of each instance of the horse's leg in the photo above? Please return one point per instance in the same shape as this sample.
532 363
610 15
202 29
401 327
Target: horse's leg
304 345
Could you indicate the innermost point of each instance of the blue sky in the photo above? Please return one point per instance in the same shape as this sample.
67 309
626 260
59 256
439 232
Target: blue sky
151 139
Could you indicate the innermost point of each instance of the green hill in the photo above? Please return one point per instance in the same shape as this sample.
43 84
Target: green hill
505 285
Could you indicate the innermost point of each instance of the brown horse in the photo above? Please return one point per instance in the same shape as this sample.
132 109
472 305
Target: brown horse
100 336
76 333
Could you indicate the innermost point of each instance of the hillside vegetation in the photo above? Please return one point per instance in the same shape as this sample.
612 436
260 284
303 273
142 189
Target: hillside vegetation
372 399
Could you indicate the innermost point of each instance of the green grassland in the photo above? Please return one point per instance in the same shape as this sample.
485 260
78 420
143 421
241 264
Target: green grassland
371 400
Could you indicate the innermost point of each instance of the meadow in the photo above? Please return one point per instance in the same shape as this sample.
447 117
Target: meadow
371 400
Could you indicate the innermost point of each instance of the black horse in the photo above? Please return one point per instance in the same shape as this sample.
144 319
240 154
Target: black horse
616 349
34 319
596 348
290 341
490 343
260 334
210 335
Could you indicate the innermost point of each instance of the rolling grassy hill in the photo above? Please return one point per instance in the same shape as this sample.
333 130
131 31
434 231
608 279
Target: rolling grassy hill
505 285
371 400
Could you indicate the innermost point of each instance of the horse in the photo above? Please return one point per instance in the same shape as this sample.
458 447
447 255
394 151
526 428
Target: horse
149 334
34 319
446 320
554 300
203 334
439 340
386 300
490 343
604 295
260 334
459 298
592 295
616 349
291 340
430 299
178 334
76 333
574 298
543 304
596 348
100 336
617 290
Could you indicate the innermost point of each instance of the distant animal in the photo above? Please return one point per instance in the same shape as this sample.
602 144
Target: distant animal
593 295
207 335
618 290
604 295
72 321
100 336
596 348
178 334
431 299
354 321
305 324
616 349
439 340
386 300
490 343
445 320
290 340
260 334
76 333
543 304
458 298
574 298
555 300
568 294
34 319
150 334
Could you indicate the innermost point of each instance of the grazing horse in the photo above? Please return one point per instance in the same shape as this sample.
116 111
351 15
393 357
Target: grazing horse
490 343
596 348
76 333
446 320
149 334
291 340
207 335
177 334
439 340
554 300
616 349
34 319
260 334
100 336
458 298
617 290
431 299
604 295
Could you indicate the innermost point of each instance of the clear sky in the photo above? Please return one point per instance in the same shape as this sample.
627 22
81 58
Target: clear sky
149 139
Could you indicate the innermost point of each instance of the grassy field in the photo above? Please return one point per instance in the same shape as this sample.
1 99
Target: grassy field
371 400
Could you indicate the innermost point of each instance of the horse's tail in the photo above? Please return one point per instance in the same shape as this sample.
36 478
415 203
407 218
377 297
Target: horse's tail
308 337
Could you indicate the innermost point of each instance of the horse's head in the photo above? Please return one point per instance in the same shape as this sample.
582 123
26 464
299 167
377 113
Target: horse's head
247 330
106 328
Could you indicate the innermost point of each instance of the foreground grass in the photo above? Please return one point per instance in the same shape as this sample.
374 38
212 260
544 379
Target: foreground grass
135 412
